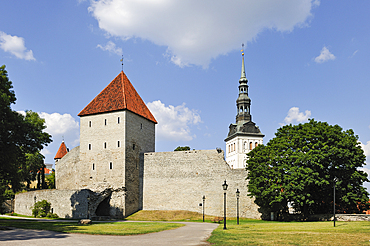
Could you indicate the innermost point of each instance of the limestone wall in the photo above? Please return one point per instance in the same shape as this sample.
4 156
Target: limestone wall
66 174
178 180
65 203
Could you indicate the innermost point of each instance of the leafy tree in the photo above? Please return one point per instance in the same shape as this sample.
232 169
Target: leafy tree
21 139
182 148
299 165
50 180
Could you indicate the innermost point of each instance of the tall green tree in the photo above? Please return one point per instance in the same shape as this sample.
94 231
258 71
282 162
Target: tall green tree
21 139
299 166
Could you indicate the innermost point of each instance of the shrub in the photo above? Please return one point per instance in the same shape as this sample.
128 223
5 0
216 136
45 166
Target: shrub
52 216
41 209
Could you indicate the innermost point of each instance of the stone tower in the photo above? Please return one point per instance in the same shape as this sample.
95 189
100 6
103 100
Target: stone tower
244 135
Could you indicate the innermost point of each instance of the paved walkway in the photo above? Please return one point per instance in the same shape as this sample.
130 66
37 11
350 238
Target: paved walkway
191 234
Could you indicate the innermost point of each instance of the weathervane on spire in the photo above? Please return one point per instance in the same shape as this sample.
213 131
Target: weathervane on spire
122 62
242 49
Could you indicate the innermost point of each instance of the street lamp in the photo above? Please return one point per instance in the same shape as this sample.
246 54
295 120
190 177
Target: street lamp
335 180
224 187
204 200
237 206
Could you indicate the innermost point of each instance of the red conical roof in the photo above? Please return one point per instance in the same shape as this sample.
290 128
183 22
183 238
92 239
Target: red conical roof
62 151
120 94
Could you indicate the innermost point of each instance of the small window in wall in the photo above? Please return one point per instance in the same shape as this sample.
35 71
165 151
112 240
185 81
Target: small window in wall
105 122
250 146
93 166
118 144
234 146
110 165
118 120
141 126
90 123
133 146
229 148
256 145
89 146
105 145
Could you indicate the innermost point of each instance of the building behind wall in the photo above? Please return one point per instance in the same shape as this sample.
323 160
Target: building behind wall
244 135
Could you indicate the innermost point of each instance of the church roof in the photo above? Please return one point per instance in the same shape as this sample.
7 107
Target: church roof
120 94
62 151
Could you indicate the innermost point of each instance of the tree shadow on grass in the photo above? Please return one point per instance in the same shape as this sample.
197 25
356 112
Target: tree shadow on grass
27 230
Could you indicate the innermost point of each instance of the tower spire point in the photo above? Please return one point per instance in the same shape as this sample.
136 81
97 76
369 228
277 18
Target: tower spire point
243 76
122 62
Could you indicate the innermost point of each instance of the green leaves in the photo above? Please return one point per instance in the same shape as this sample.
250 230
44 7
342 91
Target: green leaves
298 166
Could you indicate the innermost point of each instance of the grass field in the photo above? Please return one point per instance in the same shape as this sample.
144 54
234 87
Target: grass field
292 233
110 228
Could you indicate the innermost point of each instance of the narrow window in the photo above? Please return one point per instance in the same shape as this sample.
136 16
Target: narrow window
250 146
256 145
234 146
90 123
105 122
141 126
229 148
118 120
110 165
105 145
118 144
133 146
89 146
93 167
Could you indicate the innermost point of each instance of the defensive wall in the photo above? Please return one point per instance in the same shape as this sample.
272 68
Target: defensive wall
65 203
167 181
178 180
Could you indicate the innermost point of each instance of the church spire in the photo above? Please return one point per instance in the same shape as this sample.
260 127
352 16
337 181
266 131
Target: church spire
243 102
243 76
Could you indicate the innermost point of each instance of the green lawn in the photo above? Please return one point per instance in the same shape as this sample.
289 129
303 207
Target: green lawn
111 228
292 233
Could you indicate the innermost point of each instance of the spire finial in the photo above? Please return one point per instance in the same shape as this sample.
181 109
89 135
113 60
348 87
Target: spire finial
243 76
122 62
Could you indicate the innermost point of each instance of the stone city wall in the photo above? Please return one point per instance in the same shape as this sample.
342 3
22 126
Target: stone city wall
65 203
178 181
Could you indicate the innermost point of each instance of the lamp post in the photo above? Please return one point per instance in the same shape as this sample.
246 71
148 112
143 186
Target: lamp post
335 180
237 206
204 200
224 187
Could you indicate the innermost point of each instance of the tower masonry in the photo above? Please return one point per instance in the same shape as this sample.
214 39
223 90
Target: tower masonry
244 135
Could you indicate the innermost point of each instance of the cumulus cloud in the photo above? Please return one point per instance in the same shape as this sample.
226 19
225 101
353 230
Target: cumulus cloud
324 56
111 47
294 116
195 32
62 125
174 122
16 46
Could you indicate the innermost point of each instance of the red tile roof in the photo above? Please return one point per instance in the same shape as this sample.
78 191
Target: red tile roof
62 151
120 94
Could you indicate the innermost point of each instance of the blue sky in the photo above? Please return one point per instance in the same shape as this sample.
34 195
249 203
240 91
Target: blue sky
304 59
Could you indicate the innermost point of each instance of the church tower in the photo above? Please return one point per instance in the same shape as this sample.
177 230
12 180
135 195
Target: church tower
244 135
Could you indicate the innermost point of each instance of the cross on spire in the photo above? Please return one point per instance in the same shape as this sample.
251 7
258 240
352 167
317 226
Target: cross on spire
122 62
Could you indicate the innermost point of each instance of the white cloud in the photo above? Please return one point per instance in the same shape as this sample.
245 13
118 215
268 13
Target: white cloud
354 53
111 47
366 148
294 116
16 46
62 125
195 32
174 122
324 56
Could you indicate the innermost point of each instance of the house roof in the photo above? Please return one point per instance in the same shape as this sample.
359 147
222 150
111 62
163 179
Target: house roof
120 94
62 151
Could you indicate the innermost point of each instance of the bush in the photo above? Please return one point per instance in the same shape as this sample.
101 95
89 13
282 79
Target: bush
41 209
52 216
